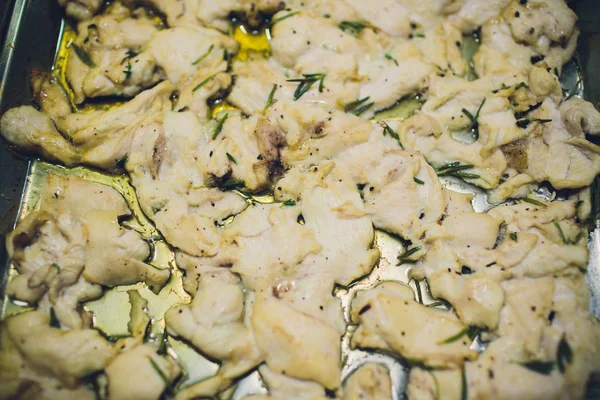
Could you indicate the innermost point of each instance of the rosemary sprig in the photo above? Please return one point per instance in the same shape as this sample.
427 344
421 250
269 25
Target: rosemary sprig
286 16
159 371
403 257
230 157
455 169
307 82
219 126
387 130
203 56
270 99
127 71
541 367
198 86
533 201
353 28
359 106
474 124
83 56
391 58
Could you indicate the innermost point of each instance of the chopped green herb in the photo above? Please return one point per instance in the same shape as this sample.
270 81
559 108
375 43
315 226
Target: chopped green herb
474 118
288 203
198 86
560 231
455 169
419 35
572 91
56 267
436 385
403 257
219 126
541 367
533 201
286 16
470 331
503 87
54 322
232 185
359 106
270 99
388 130
83 56
353 28
159 371
326 16
521 85
418 181
514 236
564 354
203 56
127 71
464 388
129 55
307 82
230 157
389 57
579 203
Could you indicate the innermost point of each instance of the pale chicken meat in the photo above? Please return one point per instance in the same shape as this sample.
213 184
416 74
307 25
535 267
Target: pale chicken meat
468 15
215 323
81 9
33 351
108 57
59 250
389 319
369 381
282 387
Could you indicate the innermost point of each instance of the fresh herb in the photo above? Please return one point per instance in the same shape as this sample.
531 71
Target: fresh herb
388 130
418 181
127 71
219 126
521 85
307 82
578 204
54 322
524 123
560 231
203 56
455 169
464 388
359 106
56 267
270 99
419 35
572 91
288 203
129 55
230 157
232 185
514 236
470 331
162 348
503 87
198 86
474 128
286 16
353 28
419 294
541 367
564 354
389 57
533 201
402 257
83 56
326 16
159 371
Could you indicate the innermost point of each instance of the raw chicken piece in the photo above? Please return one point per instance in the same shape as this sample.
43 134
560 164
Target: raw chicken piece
81 9
107 58
283 387
369 381
390 320
469 15
215 323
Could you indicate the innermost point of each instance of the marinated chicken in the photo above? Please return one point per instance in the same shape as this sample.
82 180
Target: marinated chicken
305 165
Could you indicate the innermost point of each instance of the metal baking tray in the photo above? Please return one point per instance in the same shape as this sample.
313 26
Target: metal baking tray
32 30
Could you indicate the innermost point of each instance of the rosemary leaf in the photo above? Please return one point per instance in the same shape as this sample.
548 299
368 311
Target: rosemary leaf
219 126
286 16
270 99
230 157
198 86
418 181
159 371
203 56
533 201
83 56
389 57
353 28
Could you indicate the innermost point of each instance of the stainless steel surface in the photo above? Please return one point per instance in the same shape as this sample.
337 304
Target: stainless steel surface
32 31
